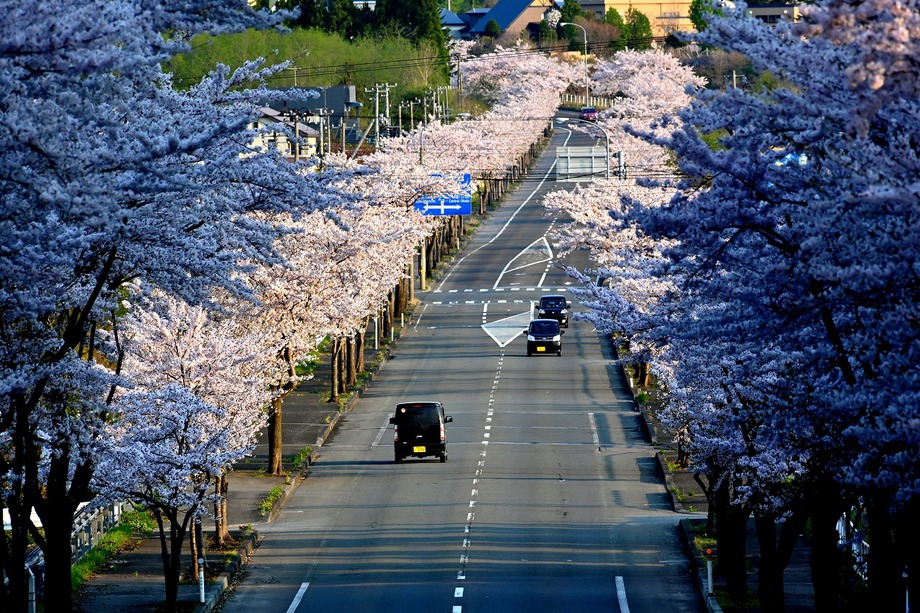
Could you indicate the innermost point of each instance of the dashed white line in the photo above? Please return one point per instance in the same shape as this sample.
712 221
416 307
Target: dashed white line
621 595
296 602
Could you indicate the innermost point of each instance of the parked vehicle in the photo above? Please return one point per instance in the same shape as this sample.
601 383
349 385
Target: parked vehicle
418 430
544 336
588 113
554 307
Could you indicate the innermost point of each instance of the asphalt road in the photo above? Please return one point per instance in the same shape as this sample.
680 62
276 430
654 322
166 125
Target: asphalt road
550 499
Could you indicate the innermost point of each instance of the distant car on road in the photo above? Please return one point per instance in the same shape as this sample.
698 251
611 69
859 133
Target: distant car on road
419 430
554 307
588 113
544 336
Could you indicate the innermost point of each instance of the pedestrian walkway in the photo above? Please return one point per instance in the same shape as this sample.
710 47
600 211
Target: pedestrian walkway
134 580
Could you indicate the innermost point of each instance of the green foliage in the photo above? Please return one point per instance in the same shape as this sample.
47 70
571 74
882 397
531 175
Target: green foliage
613 18
268 503
301 456
492 29
320 59
637 32
570 10
699 10
547 34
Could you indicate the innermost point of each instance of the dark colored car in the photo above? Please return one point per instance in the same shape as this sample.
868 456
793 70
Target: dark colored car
554 307
588 113
544 336
419 430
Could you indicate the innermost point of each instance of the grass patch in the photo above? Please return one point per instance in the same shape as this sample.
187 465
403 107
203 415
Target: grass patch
123 537
301 456
268 503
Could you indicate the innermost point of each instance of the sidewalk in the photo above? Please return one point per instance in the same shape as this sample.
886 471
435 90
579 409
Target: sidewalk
134 580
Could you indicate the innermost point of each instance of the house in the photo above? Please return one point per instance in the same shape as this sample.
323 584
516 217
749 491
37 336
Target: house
272 118
772 12
664 17
453 24
513 16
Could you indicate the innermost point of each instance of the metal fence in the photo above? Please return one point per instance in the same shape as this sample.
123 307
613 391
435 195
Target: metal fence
89 528
578 100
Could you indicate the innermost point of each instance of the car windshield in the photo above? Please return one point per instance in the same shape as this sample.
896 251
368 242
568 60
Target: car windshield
553 303
544 327
588 109
423 415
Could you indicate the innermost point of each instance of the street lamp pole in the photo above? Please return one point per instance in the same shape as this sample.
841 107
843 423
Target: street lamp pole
569 23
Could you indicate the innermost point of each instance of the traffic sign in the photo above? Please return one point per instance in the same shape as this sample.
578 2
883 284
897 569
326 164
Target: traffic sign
460 203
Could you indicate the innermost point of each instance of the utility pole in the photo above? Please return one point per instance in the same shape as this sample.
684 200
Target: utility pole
386 92
376 90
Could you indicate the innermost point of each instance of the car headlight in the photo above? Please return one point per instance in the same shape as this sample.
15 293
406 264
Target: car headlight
557 338
542 312
530 337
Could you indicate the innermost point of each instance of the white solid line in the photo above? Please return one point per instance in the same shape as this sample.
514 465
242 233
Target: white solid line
621 595
298 597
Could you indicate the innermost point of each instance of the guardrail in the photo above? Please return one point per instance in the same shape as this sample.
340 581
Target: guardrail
598 102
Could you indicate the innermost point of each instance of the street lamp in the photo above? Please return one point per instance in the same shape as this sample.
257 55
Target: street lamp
569 23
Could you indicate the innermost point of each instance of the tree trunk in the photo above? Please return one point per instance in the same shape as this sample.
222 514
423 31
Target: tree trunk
359 350
171 553
62 496
334 363
885 568
274 438
194 548
770 587
731 528
221 522
14 549
422 267
57 552
352 363
825 556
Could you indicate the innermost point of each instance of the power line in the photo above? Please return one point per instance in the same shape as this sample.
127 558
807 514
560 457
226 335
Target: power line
432 61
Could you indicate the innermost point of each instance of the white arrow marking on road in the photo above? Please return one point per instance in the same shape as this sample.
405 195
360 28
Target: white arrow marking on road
503 331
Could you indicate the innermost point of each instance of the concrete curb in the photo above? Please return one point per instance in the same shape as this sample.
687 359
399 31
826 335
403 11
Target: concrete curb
217 589
699 570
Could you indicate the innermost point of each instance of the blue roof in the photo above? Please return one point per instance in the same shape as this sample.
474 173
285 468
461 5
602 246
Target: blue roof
504 13
449 18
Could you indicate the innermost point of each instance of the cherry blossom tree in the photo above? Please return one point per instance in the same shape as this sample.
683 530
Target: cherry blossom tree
109 176
166 447
788 338
173 343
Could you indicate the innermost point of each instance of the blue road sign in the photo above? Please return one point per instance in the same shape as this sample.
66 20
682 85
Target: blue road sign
460 203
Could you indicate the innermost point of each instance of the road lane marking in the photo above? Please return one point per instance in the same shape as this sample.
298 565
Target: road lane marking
594 435
296 602
621 595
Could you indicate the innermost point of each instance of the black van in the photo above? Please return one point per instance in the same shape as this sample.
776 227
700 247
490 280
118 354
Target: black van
544 336
419 430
